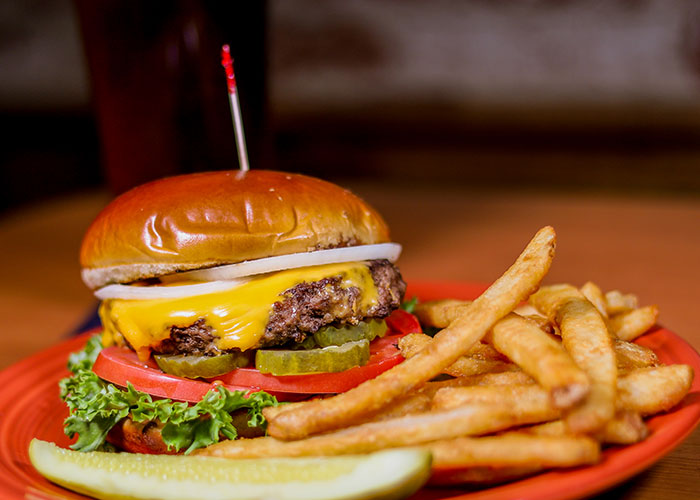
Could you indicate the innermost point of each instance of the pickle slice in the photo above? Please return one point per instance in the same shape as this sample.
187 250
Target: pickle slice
332 335
308 343
326 359
195 366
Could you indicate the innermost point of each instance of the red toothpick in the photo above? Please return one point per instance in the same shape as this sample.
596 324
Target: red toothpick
227 63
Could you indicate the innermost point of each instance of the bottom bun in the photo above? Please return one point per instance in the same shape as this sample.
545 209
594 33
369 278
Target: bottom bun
146 437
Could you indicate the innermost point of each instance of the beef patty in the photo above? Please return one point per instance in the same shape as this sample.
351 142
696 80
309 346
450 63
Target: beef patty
305 309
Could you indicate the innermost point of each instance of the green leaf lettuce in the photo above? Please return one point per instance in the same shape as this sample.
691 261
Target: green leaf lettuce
96 406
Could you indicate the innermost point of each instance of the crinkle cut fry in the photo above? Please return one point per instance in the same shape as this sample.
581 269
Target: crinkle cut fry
518 282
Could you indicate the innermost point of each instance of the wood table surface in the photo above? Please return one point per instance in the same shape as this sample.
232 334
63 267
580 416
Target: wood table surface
643 244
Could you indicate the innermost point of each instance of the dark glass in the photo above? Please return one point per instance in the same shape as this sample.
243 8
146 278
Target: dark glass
159 90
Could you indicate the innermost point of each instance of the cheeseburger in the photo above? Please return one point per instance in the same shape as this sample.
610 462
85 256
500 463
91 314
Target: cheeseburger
223 292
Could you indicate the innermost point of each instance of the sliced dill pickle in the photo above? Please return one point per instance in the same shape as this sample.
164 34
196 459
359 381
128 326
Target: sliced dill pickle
323 359
308 343
332 335
194 366
378 328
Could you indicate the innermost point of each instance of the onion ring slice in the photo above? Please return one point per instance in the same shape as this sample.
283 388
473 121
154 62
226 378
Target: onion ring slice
389 251
137 292
227 277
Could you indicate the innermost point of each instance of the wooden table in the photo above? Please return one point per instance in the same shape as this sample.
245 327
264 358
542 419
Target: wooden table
649 246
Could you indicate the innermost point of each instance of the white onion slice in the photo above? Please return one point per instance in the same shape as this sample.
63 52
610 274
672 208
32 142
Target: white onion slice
133 292
389 251
228 277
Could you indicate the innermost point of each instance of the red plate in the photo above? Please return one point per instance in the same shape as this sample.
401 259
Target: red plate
30 407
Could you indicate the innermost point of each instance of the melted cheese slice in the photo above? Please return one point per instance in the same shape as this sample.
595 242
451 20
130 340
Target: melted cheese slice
238 317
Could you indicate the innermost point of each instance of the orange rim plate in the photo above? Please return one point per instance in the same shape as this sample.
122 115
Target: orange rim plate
30 407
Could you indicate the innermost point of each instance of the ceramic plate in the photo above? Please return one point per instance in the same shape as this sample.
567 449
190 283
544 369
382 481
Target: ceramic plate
30 407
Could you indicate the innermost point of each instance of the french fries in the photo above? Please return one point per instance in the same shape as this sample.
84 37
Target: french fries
595 296
484 475
481 358
616 302
440 313
520 397
530 387
631 324
522 341
404 431
632 356
542 358
518 282
585 336
645 390
653 390
411 344
515 449
626 427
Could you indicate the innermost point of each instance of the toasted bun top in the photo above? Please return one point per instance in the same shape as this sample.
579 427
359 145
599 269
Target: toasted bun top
214 218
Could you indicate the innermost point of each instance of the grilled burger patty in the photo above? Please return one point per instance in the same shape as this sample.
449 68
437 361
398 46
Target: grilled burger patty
305 309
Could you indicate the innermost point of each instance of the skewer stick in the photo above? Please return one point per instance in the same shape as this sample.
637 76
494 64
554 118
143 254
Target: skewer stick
227 63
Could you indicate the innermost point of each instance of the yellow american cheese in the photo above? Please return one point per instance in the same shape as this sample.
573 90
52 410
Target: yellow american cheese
237 317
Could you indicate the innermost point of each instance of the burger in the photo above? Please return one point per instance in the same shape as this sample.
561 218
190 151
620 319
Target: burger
223 293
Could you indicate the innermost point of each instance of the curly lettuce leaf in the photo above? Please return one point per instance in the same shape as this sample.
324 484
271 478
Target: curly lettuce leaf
84 359
96 406
409 305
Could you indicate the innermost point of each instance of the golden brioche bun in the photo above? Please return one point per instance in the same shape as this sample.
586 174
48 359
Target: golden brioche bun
214 218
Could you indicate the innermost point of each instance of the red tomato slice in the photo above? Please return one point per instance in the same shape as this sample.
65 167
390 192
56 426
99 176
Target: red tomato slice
120 365
403 322
383 355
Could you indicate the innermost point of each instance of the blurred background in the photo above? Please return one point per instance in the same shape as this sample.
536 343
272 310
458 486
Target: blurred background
468 124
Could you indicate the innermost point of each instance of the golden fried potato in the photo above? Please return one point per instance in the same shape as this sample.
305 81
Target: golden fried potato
542 358
514 449
585 336
481 357
631 324
516 284
626 427
522 399
631 356
484 475
653 390
595 296
618 302
405 431
439 313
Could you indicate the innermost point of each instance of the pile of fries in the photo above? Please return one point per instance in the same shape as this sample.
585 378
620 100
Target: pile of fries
503 390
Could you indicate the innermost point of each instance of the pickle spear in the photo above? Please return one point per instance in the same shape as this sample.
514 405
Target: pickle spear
387 475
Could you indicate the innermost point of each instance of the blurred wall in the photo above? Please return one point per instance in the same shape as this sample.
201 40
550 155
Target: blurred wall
576 94
49 141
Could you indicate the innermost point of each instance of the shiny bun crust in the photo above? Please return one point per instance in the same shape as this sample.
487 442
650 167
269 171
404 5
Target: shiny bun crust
208 219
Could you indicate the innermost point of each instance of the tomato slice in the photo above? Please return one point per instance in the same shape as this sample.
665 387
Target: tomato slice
120 365
383 355
404 322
